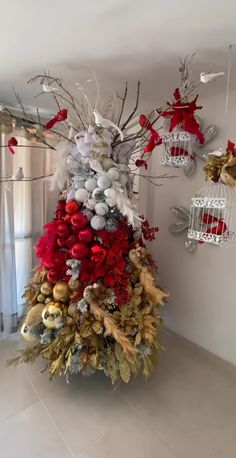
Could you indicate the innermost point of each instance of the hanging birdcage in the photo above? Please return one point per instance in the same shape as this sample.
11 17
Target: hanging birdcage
213 214
177 148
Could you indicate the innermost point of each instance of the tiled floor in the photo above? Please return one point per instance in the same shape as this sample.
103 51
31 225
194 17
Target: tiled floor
188 410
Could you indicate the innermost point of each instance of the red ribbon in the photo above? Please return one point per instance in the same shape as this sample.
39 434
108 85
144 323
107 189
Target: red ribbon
231 148
182 113
12 142
154 139
60 116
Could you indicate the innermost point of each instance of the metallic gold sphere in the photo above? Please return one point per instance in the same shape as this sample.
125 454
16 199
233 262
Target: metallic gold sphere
25 334
46 288
61 291
41 298
48 299
73 284
52 316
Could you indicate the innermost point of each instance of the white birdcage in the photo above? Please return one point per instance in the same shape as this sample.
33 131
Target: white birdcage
213 214
177 148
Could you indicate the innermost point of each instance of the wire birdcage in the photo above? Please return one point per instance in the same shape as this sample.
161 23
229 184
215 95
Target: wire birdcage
213 214
177 148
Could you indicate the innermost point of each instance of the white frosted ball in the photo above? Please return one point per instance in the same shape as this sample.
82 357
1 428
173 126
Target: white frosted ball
123 179
114 174
101 209
90 204
104 181
107 163
110 202
98 195
81 195
110 193
97 222
90 184
89 214
79 184
123 168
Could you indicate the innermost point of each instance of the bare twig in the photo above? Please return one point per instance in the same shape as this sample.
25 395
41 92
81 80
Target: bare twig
135 107
123 103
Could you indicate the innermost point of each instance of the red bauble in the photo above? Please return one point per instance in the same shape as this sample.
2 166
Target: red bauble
71 207
60 259
86 235
62 242
63 230
79 250
71 240
67 218
53 275
79 220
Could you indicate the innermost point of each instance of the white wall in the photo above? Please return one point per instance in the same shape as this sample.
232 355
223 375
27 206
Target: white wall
202 285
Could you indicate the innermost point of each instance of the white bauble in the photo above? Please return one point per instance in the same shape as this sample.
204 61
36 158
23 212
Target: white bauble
90 204
101 209
110 202
123 167
123 179
79 183
113 173
110 193
90 184
104 181
81 195
107 163
89 214
97 222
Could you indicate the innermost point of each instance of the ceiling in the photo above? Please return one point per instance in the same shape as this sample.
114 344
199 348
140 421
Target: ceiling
119 39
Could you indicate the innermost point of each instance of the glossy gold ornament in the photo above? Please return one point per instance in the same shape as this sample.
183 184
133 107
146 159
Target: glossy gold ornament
73 284
61 291
52 315
46 288
48 299
26 335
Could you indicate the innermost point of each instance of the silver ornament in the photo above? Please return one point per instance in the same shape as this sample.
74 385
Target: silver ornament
110 192
101 208
81 195
113 173
107 163
88 213
97 222
90 204
98 195
110 202
104 181
90 184
111 225
123 179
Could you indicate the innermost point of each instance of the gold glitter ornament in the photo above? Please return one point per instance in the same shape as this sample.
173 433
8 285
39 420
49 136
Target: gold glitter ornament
46 288
72 310
73 284
34 316
61 291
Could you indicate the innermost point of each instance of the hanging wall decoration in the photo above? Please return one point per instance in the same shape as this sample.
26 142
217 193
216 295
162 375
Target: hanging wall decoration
213 208
183 214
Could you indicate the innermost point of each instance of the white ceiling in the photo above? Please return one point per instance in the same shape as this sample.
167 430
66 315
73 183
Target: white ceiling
119 39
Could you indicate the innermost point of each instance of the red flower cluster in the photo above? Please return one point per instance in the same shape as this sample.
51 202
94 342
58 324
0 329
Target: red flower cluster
148 231
231 148
182 113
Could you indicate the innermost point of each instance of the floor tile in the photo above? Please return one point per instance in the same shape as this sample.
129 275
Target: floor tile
84 409
225 446
191 407
130 438
31 434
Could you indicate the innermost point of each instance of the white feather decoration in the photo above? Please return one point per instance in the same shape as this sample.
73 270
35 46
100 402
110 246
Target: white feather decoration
125 206
60 175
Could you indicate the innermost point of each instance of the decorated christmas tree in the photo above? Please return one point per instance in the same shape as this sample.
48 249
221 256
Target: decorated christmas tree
93 302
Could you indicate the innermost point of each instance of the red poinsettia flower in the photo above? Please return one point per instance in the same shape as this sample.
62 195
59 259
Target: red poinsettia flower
231 148
98 254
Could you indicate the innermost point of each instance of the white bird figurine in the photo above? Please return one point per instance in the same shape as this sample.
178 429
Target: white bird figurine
19 175
100 121
218 153
48 88
207 77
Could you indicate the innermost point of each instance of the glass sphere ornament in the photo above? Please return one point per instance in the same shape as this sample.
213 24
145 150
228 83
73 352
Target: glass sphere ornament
101 208
104 181
97 222
98 195
81 195
111 225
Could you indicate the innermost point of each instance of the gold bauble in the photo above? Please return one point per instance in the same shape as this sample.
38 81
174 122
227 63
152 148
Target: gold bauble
52 315
73 284
61 291
41 298
25 334
46 288
34 316
70 321
72 309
